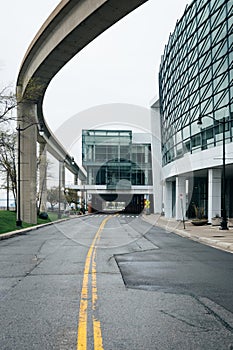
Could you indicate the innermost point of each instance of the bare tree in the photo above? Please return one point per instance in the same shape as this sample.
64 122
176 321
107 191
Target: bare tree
9 101
71 196
8 159
53 196
7 104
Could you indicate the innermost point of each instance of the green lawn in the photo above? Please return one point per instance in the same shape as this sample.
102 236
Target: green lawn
8 221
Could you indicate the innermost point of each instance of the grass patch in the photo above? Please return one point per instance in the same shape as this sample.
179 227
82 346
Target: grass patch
52 217
8 221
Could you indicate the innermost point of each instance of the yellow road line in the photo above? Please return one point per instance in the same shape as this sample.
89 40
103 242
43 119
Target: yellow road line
98 342
83 309
94 284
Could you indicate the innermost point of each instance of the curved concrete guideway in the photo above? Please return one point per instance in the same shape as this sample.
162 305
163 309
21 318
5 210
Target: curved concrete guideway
70 27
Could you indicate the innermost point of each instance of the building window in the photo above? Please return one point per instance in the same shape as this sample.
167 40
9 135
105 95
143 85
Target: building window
195 77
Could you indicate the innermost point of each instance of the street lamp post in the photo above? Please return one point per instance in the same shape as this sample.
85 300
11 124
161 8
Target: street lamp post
224 212
19 129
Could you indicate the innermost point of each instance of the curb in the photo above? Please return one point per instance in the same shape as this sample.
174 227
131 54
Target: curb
25 230
16 232
10 234
225 246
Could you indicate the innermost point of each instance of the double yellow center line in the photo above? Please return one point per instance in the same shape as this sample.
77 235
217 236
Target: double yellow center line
90 269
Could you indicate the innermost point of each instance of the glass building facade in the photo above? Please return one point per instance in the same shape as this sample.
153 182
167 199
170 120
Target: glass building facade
109 157
196 79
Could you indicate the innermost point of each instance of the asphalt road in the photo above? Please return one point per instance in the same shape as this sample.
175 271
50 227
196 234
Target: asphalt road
113 282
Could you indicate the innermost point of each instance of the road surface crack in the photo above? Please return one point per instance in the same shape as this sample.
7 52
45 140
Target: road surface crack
184 321
215 315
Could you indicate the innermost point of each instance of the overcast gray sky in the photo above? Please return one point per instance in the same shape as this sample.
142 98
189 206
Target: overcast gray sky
120 66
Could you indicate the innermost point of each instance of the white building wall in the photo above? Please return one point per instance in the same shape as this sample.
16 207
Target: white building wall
180 197
168 210
207 159
139 138
156 157
185 167
214 190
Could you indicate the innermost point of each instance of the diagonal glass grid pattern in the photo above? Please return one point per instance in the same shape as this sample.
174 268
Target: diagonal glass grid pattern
195 77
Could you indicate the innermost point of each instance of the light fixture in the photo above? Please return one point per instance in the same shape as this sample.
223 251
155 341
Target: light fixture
199 121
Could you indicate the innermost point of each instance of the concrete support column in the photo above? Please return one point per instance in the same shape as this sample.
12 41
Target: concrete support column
63 174
83 192
156 158
180 197
168 199
43 177
214 193
61 185
28 159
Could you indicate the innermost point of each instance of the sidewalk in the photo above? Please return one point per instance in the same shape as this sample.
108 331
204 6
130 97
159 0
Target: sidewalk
207 234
